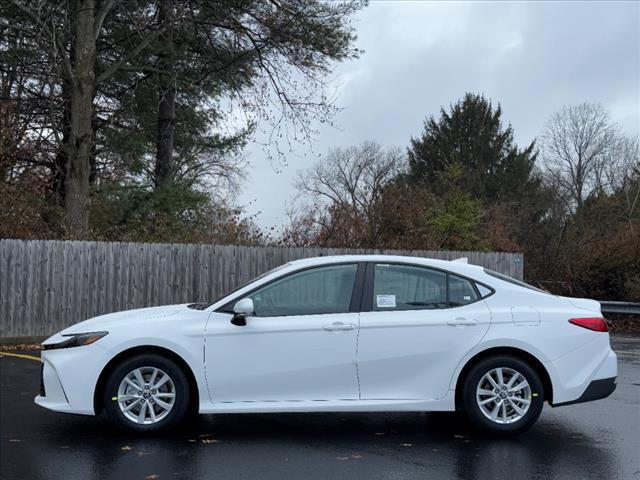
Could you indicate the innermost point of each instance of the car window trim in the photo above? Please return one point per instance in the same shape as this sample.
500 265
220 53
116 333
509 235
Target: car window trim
367 297
356 292
513 281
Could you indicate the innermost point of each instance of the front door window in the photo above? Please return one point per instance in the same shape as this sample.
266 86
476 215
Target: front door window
321 290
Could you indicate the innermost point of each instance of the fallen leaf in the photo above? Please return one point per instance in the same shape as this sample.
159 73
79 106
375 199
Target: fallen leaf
152 477
126 448
353 456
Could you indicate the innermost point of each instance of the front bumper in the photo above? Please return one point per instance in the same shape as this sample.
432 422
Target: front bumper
68 378
52 393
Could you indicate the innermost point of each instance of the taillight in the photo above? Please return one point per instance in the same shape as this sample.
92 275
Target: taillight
597 324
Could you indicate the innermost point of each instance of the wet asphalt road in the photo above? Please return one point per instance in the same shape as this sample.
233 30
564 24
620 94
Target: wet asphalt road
599 440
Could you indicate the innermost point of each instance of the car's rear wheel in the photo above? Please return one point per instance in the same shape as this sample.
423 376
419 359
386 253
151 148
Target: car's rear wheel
503 395
146 393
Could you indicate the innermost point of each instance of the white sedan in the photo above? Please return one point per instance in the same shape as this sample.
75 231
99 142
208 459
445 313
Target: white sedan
363 333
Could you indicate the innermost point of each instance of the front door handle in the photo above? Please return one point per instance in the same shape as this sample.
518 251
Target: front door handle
462 322
337 326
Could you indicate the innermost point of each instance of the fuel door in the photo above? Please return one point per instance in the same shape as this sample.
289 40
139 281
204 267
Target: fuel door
525 316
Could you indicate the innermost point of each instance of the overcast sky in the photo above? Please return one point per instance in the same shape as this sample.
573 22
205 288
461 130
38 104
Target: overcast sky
532 58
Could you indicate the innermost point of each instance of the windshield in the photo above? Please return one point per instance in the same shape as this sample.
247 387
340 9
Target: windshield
269 272
506 278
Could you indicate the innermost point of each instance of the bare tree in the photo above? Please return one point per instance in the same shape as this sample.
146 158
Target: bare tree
576 143
343 191
622 173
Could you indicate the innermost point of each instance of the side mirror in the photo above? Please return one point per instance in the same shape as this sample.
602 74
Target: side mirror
241 310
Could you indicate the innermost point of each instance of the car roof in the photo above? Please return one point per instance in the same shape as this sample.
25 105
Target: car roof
450 265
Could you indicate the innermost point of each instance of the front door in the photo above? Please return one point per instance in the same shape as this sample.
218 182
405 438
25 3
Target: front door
299 346
420 324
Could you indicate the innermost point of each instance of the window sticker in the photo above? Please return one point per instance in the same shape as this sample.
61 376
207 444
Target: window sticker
467 297
386 301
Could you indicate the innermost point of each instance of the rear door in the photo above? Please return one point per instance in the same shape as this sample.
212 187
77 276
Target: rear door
416 325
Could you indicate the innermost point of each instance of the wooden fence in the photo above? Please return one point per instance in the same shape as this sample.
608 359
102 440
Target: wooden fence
46 285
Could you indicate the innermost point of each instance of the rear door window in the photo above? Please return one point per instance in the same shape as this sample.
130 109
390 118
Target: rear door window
406 287
410 287
461 291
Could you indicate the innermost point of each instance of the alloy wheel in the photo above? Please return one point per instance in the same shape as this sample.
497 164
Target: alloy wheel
146 395
503 395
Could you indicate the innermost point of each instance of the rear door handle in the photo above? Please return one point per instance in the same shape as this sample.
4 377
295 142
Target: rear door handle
462 322
337 326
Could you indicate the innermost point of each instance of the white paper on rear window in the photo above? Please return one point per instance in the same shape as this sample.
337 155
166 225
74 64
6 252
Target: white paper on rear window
386 301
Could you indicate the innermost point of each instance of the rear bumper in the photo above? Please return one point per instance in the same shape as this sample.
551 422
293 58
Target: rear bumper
572 374
596 390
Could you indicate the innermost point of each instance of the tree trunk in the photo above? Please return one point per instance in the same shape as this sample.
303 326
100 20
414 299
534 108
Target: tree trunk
164 170
76 199
60 160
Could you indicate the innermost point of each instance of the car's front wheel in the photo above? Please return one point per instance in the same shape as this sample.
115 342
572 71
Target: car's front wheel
503 395
146 393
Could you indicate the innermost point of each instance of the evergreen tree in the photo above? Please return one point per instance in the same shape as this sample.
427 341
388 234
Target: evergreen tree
472 135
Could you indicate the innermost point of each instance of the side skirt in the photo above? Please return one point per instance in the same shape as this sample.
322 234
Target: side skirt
446 404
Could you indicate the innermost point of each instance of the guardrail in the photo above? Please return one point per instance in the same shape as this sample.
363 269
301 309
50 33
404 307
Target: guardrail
627 308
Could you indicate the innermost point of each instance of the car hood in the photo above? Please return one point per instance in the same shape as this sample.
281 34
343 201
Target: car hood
118 319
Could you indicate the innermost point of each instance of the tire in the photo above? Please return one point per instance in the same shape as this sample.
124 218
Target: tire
164 407
507 411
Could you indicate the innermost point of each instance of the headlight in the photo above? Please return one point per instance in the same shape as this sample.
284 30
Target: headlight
76 340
